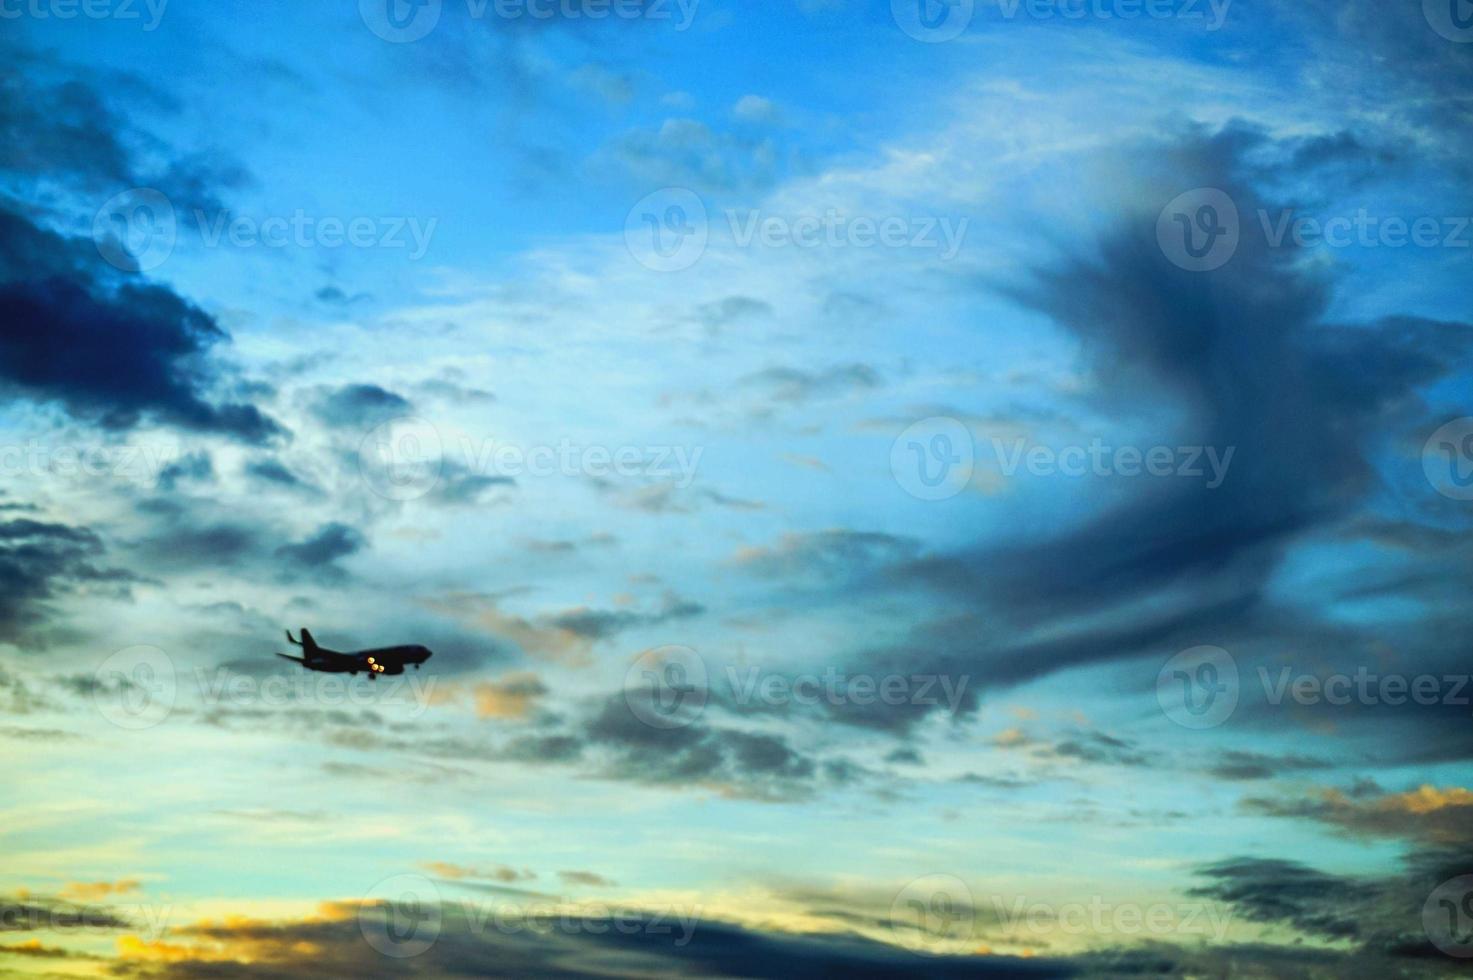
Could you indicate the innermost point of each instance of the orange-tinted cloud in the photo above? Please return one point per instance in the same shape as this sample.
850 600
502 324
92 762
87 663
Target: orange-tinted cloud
34 948
511 697
497 872
92 891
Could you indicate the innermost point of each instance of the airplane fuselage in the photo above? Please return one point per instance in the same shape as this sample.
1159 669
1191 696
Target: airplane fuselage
381 660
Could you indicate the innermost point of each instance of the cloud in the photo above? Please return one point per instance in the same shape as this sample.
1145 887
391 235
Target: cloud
1237 765
92 891
33 948
575 943
1243 357
585 878
40 561
274 473
1428 815
796 386
111 350
509 698
320 553
359 406
55 124
567 634
499 872
198 467
1285 891
834 555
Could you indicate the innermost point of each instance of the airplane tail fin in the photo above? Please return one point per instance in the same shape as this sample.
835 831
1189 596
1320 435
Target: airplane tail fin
308 644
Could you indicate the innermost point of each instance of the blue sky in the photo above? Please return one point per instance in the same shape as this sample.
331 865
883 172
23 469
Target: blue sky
655 370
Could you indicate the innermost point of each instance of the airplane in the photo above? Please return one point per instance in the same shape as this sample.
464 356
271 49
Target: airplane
385 660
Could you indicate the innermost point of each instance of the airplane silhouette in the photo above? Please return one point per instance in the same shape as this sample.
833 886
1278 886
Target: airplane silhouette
385 660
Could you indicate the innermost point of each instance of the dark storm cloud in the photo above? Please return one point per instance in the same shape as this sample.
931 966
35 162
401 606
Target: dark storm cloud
44 912
201 537
321 551
650 943
275 473
1237 765
1246 359
739 763
112 350
54 126
603 624
1276 891
359 406
196 467
1428 816
1380 915
1387 53
1098 748
39 561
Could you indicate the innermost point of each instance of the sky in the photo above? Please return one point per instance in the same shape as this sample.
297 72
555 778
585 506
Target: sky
967 489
